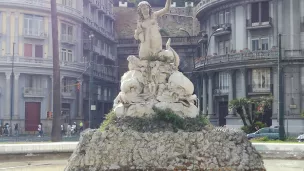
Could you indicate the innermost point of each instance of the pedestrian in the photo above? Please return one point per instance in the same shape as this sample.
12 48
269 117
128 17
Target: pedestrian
40 131
80 126
62 131
69 130
16 130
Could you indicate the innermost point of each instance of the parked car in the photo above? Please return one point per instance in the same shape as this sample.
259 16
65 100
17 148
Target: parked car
271 133
301 138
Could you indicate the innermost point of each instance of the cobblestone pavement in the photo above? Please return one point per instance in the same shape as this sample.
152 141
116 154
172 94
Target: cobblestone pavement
58 165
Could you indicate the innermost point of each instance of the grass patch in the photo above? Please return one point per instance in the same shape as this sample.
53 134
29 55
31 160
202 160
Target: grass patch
163 120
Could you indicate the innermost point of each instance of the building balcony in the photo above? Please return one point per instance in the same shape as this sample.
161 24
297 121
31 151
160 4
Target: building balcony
34 34
224 29
97 27
258 25
43 5
260 89
97 49
68 39
241 57
47 64
33 92
68 94
208 4
220 91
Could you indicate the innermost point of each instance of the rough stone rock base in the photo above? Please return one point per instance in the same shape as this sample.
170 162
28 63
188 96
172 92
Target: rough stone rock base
217 149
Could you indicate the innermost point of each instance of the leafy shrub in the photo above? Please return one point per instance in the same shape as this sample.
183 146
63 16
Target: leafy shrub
109 118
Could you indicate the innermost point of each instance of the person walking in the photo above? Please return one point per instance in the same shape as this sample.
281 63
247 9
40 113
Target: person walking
69 130
40 131
16 129
80 126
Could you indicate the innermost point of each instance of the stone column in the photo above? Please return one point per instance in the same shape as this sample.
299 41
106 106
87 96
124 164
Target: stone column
8 95
210 94
16 96
231 88
80 100
204 94
243 82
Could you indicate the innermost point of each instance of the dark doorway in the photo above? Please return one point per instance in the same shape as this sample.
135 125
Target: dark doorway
223 112
32 115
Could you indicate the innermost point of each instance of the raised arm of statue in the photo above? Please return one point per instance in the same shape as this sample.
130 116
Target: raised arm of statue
164 10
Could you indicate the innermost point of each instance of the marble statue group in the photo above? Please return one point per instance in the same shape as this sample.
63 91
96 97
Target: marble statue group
153 78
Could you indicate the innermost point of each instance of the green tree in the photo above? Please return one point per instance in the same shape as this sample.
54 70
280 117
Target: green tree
250 111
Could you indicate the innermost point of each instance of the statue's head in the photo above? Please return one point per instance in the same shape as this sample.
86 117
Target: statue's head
144 10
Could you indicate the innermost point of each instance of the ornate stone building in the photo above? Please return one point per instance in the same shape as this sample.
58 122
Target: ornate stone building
26 27
243 53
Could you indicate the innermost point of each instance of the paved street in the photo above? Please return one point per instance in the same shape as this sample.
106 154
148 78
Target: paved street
34 138
58 165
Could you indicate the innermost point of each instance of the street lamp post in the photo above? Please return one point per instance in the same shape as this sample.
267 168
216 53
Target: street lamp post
12 89
91 36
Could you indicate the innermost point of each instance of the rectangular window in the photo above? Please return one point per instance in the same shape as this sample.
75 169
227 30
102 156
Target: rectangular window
33 81
66 55
33 25
221 48
223 81
67 85
70 56
67 3
255 44
264 43
221 18
227 47
28 50
255 10
261 80
38 51
227 17
63 54
265 11
66 32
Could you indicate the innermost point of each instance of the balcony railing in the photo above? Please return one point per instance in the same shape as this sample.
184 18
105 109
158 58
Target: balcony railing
69 39
260 88
33 92
99 28
221 91
100 71
34 34
257 25
237 57
204 4
68 94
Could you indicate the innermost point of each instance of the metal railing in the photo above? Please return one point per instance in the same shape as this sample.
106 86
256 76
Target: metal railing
221 90
268 23
66 38
260 88
237 57
33 92
34 34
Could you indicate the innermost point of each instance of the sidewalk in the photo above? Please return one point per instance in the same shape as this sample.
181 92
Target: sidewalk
33 138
